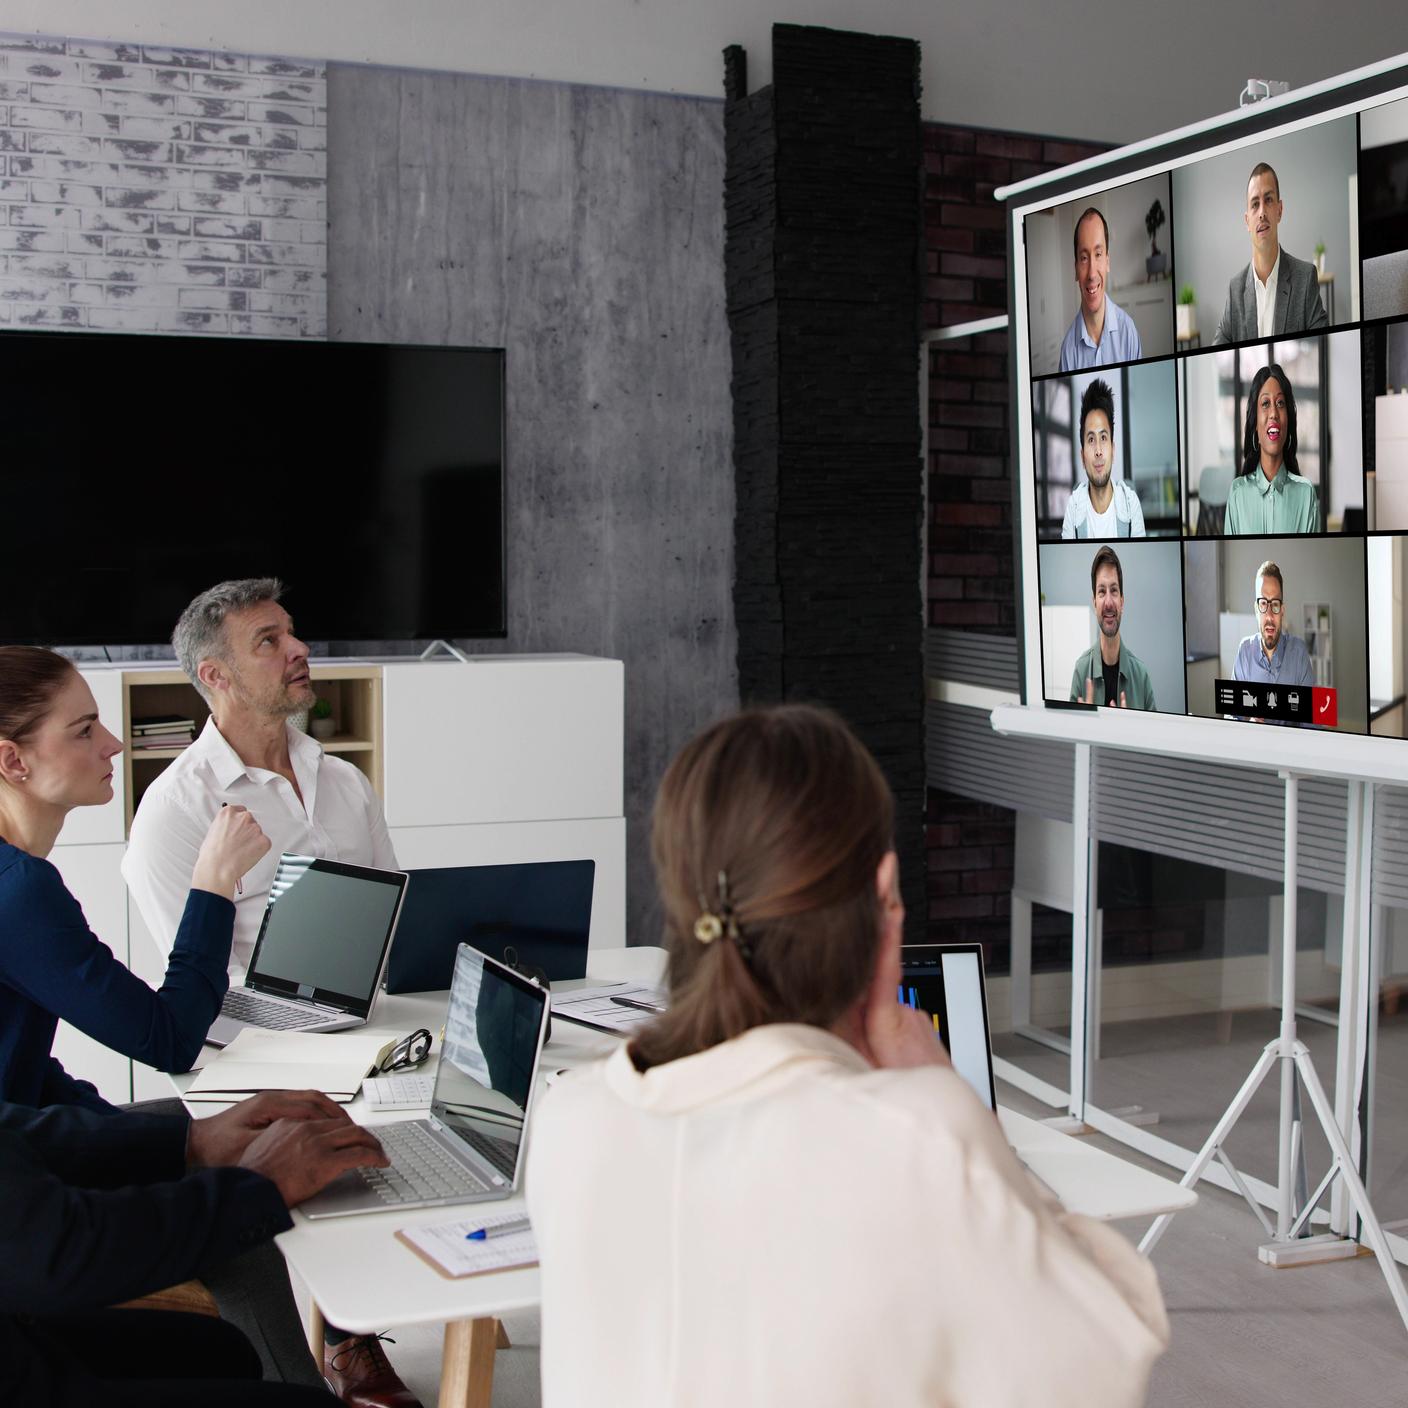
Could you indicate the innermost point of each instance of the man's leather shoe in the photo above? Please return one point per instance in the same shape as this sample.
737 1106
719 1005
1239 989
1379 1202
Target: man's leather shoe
362 1377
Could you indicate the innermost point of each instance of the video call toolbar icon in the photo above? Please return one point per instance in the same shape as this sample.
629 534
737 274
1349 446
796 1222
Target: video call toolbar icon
1247 699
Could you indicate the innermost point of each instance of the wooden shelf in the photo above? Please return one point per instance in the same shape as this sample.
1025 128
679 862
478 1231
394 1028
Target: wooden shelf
354 691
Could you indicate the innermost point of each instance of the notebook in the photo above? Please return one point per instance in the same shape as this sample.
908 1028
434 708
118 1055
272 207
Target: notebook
320 952
946 980
471 1147
538 913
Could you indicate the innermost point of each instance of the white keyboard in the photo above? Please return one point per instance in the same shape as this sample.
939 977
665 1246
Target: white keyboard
398 1092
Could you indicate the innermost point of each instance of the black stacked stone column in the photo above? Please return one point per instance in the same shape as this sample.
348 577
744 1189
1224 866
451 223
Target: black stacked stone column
823 264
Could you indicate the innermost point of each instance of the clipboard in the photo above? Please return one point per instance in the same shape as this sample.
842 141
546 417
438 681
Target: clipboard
443 1246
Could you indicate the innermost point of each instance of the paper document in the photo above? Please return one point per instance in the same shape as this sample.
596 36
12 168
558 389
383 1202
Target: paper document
333 1062
608 1007
446 1247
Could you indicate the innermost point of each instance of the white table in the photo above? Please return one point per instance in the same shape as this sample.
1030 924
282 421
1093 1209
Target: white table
1088 1180
363 1279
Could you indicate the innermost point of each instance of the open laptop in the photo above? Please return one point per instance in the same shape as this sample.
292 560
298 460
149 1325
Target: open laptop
321 948
536 914
946 980
471 1148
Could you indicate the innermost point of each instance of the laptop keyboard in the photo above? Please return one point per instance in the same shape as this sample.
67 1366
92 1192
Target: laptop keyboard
499 1152
244 1006
421 1169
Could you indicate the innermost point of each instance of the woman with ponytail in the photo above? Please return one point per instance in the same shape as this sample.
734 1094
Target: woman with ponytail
779 1191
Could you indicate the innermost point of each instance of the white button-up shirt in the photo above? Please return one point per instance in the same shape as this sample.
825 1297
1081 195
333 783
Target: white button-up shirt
338 818
1266 298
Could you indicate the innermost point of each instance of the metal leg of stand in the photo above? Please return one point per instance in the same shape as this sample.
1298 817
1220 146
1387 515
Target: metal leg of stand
1359 1195
1214 1141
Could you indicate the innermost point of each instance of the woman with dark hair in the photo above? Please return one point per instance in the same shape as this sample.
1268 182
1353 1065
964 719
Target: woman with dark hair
1268 495
55 755
779 1191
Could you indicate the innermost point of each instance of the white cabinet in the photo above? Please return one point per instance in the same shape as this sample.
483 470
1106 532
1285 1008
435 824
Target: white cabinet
508 758
504 738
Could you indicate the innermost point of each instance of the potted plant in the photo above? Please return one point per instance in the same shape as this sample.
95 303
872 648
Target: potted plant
1320 257
322 725
1154 219
1187 313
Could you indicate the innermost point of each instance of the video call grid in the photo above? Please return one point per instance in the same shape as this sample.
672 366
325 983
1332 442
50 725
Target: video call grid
1352 531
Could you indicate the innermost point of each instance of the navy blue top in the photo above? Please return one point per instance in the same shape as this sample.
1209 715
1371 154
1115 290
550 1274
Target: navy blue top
53 966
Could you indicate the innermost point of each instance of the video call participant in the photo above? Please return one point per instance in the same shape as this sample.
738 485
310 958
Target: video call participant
1272 655
1102 507
236 644
1276 293
1269 495
1110 672
1102 333
784 1053
97 1209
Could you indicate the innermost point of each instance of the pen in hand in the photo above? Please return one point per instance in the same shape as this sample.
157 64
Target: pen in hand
239 884
502 1229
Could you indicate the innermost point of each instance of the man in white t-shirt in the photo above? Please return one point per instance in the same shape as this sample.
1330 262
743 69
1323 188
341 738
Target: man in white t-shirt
1103 507
236 643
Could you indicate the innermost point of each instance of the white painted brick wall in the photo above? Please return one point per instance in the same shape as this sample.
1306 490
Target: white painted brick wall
161 190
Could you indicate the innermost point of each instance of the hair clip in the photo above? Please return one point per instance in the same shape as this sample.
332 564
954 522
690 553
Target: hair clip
713 925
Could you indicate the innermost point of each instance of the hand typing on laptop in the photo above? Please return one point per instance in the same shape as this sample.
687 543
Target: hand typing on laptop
298 1139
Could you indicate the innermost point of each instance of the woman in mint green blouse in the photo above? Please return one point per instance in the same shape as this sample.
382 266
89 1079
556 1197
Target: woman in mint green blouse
1268 496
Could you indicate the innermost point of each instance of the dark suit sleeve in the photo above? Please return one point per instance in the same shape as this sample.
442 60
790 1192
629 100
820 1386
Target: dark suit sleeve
67 1249
1315 315
101 1149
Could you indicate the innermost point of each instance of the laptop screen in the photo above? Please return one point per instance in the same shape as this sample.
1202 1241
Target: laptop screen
535 912
493 1034
946 980
325 931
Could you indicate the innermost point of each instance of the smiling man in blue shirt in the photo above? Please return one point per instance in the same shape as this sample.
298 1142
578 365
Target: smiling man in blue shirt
1102 333
1271 656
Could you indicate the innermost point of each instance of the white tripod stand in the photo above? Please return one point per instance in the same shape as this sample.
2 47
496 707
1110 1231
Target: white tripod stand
1294 1058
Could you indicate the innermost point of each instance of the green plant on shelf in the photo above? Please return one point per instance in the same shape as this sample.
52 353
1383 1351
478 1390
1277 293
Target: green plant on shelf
321 709
1186 297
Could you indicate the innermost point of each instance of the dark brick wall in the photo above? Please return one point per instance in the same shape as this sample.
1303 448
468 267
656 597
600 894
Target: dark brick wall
823 265
971 577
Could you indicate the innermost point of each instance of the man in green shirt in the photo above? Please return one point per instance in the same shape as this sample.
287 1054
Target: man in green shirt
1109 672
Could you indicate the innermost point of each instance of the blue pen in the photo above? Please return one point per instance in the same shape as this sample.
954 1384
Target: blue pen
913 999
502 1229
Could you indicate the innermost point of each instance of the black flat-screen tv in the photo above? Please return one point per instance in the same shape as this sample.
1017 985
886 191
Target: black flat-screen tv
142 469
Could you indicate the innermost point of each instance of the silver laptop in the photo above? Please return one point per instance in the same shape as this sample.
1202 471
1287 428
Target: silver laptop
322 945
471 1148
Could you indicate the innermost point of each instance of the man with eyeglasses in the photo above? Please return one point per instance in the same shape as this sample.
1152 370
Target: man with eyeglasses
1272 656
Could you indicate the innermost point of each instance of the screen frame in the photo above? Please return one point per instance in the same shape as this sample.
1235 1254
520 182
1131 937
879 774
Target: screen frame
1346 96
941 950
354 1004
544 998
117 633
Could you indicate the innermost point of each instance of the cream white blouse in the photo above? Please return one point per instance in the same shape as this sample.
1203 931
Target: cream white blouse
774 1222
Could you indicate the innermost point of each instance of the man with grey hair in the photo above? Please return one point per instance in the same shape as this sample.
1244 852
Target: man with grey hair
236 644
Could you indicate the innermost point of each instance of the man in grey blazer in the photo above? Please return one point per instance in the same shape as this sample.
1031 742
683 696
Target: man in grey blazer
1276 293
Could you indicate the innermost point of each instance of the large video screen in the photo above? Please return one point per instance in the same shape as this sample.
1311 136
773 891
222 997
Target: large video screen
1212 354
